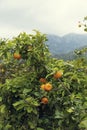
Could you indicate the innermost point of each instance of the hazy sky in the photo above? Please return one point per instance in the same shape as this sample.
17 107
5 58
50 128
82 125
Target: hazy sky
48 16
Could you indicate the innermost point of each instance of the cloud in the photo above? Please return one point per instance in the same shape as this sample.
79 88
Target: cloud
49 16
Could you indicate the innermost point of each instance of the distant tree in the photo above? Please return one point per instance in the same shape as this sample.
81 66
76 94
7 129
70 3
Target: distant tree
83 23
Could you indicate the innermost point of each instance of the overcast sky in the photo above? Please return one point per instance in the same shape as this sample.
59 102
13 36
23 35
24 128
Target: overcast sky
58 17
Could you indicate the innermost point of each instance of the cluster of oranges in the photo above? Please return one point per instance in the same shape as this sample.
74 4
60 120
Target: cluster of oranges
48 86
45 86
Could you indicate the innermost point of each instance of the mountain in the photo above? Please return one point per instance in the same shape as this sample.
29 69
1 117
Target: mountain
66 44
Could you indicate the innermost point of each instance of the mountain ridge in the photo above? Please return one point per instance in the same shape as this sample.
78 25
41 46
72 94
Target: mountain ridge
65 44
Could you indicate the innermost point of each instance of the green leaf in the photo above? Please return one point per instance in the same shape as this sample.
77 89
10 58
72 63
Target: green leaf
8 127
32 125
18 103
70 110
1 126
29 109
2 108
0 99
40 128
85 105
85 29
25 91
85 18
58 114
83 124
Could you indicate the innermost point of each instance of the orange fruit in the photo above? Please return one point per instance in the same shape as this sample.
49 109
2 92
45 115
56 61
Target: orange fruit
17 56
58 74
43 86
48 87
42 80
44 100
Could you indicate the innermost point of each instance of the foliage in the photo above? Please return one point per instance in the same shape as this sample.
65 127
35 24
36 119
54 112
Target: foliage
24 105
83 24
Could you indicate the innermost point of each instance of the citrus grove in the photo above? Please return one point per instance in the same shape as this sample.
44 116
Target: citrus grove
38 92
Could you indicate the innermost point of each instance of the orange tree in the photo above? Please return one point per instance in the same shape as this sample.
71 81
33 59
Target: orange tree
38 92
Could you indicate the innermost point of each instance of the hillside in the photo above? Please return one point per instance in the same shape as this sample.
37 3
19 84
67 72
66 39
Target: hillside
65 45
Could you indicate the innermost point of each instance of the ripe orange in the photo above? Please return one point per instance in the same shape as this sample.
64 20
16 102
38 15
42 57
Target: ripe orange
43 86
44 100
58 74
42 80
48 87
17 56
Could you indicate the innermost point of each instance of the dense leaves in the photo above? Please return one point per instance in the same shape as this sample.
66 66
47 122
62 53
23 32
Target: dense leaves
31 98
